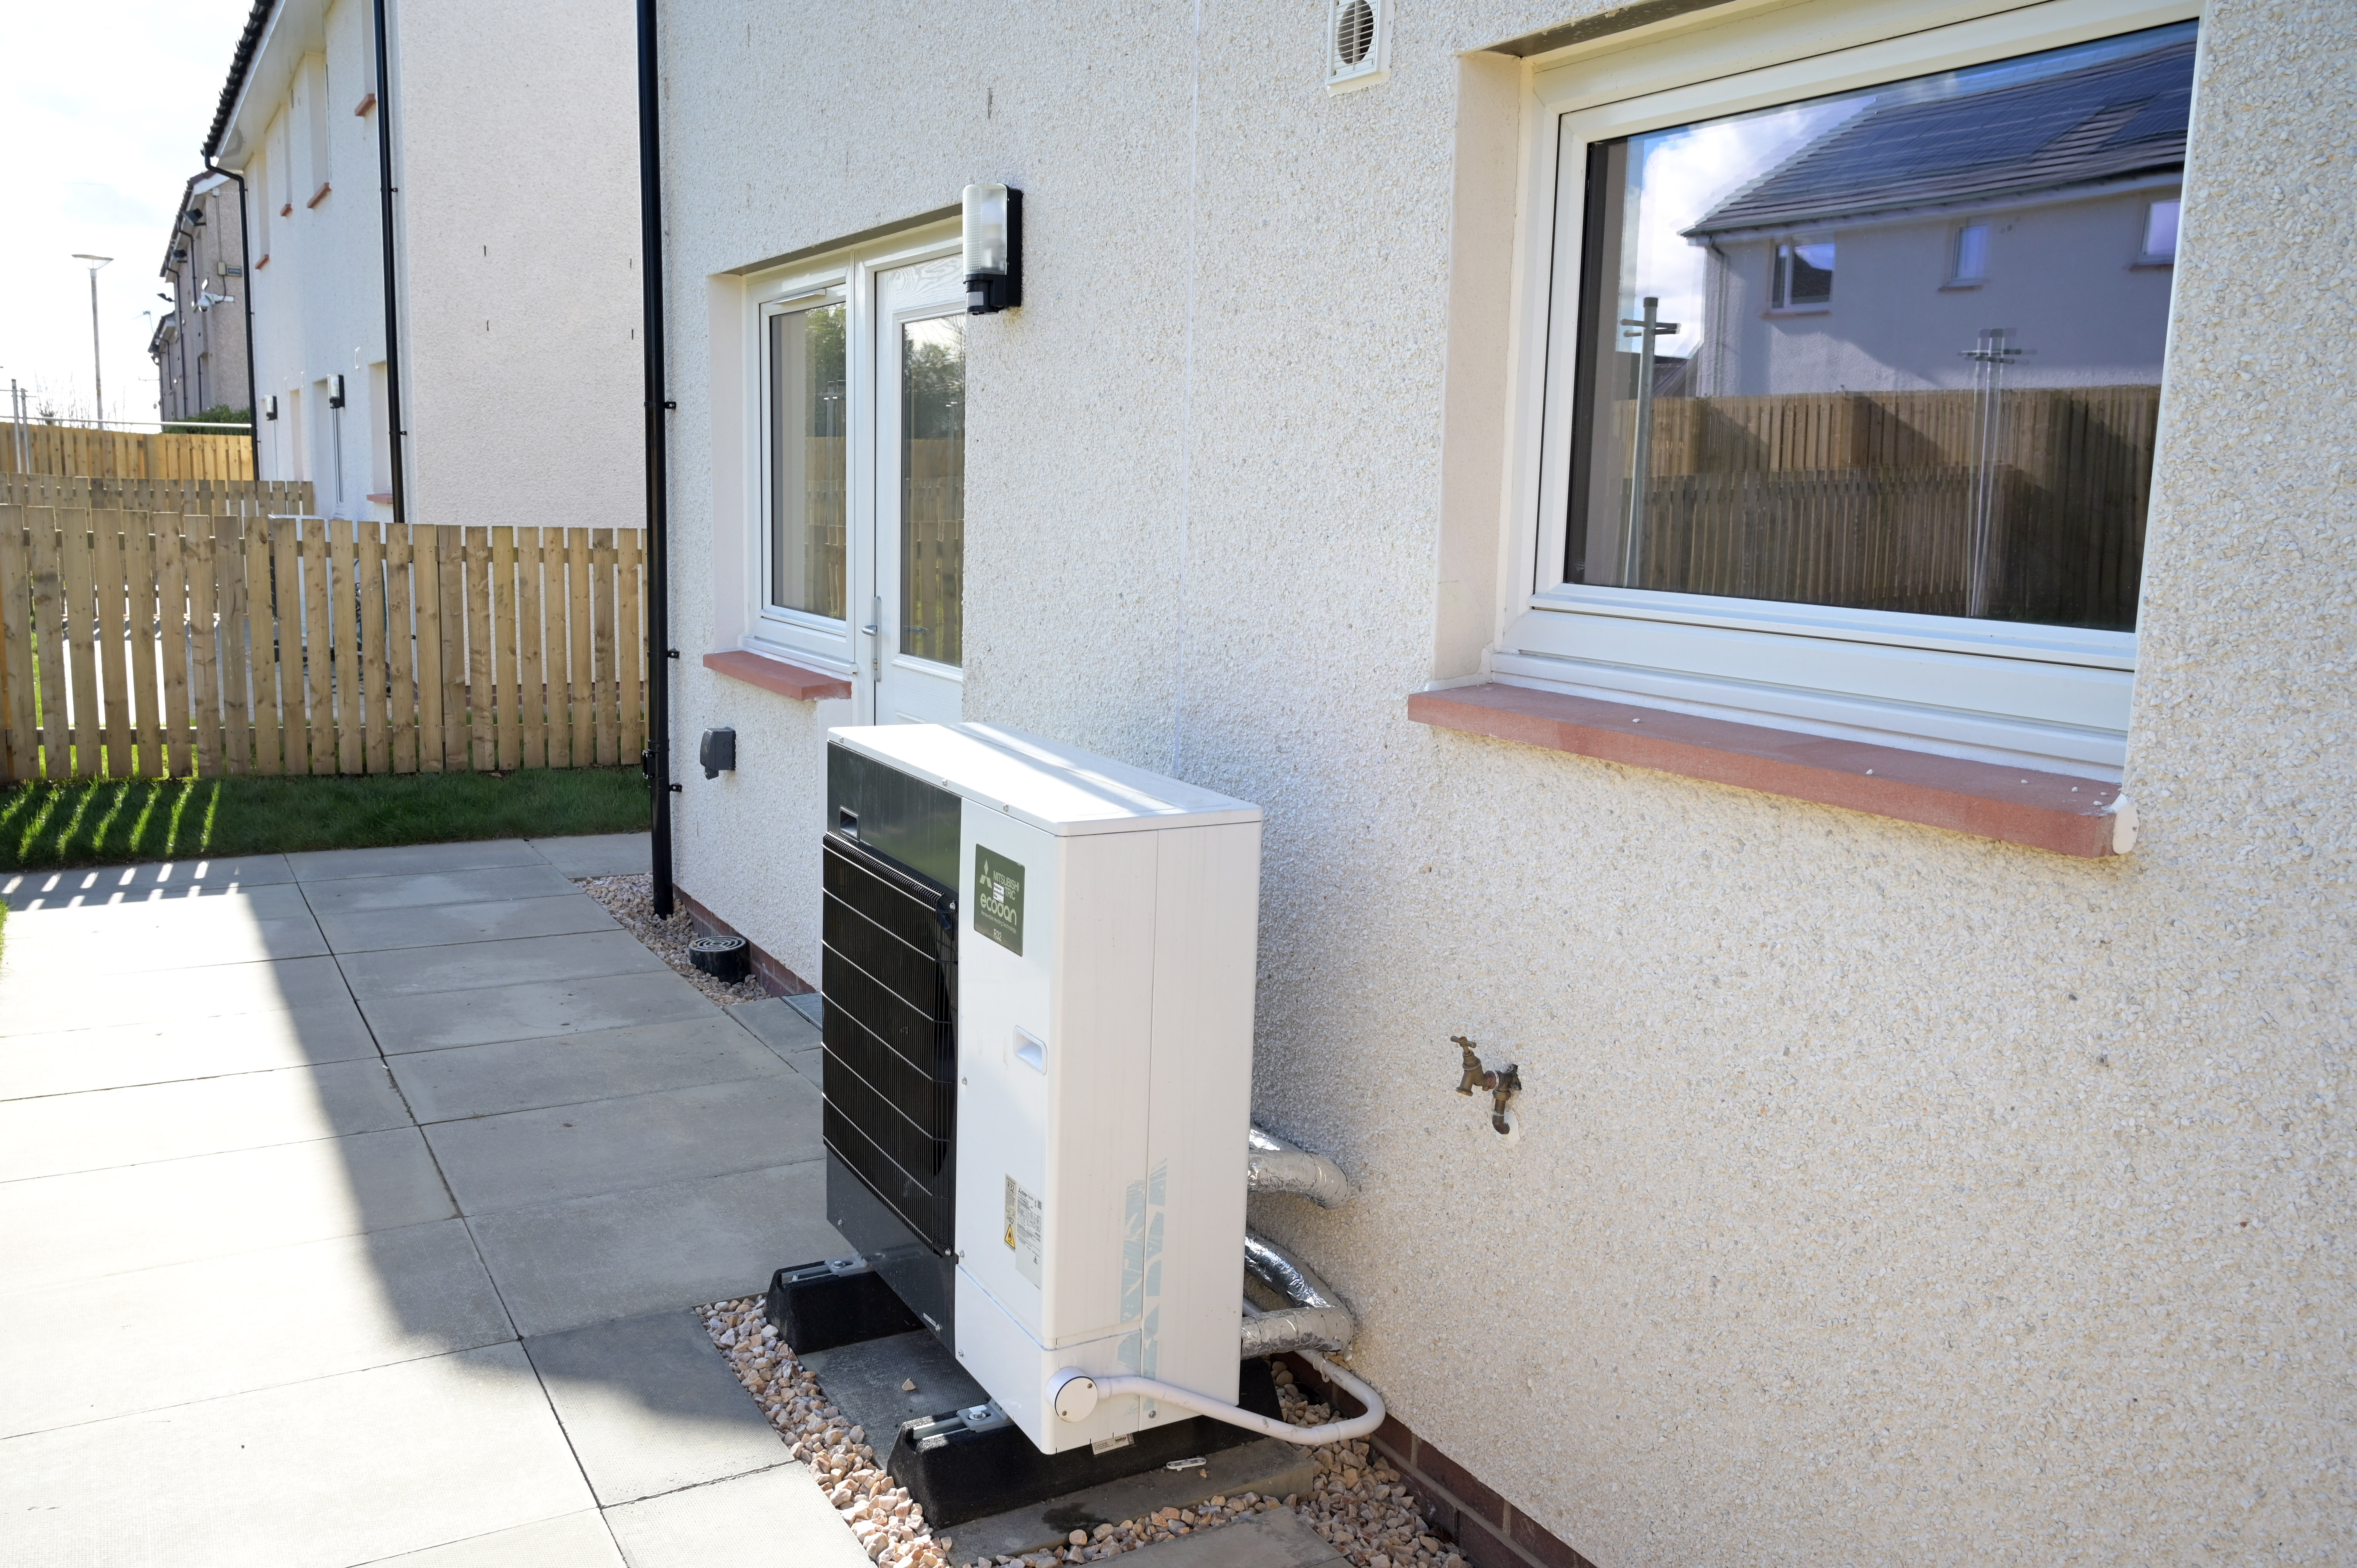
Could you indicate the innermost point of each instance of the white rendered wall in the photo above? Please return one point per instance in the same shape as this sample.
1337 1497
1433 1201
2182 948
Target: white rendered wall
1883 1196
319 304
519 126
515 133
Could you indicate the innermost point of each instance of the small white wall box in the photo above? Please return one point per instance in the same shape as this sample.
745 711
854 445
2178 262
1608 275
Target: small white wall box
1035 1124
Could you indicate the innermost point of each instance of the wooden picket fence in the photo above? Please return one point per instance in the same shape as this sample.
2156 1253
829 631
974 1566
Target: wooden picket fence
86 452
157 643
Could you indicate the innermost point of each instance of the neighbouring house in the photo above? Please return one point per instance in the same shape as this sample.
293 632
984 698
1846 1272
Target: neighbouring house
2047 206
198 344
511 274
1877 777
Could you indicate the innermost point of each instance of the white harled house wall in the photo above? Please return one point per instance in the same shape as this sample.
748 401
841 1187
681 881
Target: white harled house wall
1882 1194
514 153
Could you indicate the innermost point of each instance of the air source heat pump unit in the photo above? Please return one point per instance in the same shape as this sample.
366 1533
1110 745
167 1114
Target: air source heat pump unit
1039 980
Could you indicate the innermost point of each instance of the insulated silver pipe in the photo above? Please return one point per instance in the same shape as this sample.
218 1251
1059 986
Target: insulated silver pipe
1272 1164
1289 1307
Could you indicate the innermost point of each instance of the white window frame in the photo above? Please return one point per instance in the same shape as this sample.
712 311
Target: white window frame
781 622
2146 255
1958 276
2054 698
848 276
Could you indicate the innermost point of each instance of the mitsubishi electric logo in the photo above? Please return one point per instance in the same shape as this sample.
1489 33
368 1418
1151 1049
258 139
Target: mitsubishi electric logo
998 899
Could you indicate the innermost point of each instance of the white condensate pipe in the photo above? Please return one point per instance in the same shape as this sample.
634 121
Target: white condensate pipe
1075 1393
1272 1164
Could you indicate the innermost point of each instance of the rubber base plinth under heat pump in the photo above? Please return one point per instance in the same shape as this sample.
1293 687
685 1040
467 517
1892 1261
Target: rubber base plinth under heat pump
814 1307
974 1474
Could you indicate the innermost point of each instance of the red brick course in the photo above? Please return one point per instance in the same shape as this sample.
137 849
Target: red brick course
1490 1531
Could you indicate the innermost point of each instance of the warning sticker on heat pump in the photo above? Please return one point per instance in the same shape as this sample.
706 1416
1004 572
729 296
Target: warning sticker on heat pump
1023 1230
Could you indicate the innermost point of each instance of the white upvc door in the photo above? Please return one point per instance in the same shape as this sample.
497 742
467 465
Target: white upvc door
915 628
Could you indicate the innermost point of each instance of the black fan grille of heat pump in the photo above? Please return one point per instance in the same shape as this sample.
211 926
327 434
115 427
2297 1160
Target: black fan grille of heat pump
891 1035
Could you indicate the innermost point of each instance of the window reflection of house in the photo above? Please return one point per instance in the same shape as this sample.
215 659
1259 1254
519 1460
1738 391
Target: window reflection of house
1950 214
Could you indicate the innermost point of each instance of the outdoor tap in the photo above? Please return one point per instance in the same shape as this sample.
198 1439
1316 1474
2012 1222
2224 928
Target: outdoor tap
1501 1085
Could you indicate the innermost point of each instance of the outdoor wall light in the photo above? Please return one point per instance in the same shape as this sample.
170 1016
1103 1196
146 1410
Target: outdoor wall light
335 391
270 408
994 249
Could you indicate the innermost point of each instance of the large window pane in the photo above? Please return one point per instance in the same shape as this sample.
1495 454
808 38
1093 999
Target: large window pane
807 449
932 489
1895 349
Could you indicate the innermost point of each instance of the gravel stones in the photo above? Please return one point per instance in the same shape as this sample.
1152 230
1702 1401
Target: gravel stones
1358 1503
632 900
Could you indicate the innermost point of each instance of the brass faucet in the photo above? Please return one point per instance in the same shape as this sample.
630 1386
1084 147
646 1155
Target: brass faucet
1501 1084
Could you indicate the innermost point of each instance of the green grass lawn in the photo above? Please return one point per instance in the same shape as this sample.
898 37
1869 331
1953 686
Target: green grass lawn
119 820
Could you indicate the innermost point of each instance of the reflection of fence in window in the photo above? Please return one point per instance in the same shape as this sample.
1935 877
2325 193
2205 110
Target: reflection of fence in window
825 524
1867 501
932 549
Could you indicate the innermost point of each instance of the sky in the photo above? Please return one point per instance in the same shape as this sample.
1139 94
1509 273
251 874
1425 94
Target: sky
106 104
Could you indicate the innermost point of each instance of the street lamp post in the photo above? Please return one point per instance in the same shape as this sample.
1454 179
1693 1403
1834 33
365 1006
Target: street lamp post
97 373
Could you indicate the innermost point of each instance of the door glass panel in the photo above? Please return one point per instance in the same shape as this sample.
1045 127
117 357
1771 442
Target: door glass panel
808 449
932 489
1894 349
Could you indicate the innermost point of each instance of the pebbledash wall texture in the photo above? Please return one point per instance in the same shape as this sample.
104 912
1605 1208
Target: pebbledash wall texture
1882 1194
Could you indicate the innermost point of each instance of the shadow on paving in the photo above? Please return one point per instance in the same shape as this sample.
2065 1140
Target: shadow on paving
388 1177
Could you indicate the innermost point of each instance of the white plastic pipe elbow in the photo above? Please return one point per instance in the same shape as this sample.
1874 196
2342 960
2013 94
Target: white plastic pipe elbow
1074 1396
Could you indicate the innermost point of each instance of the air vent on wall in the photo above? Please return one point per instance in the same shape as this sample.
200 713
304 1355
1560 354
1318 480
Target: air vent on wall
1358 44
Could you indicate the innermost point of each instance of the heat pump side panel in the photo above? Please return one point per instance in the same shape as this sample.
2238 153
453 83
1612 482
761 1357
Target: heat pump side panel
1058 1136
1207 905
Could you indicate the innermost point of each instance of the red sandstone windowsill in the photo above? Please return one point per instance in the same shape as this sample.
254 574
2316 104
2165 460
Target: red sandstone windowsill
777 675
2041 811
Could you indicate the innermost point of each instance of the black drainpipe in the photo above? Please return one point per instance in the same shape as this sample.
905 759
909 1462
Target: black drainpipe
246 303
659 649
393 431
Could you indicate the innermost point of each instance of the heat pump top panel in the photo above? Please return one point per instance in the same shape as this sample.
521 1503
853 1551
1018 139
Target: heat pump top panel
1059 788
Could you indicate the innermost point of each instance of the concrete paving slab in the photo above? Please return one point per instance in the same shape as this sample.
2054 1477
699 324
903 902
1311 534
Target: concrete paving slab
429 972
443 925
200 1116
525 1157
1265 1465
410 860
90 957
186 908
1280 1538
76 1351
585 1260
775 1519
569 1540
566 1070
27 890
68 1062
322 1473
650 1406
863 1378
811 1006
597 855
531 1011
34 1001
98 1223
780 1027
493 885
